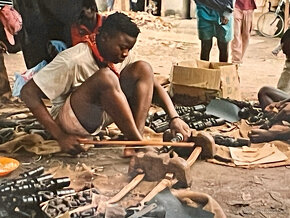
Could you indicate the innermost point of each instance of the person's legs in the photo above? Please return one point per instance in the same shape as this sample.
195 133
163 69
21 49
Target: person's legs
267 95
223 49
206 29
237 40
137 84
246 29
103 90
224 35
206 46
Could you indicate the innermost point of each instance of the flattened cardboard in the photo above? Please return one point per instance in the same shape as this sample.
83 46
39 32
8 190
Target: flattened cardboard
269 153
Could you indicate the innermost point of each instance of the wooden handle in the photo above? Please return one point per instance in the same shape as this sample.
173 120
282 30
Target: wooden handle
160 187
143 143
193 156
126 189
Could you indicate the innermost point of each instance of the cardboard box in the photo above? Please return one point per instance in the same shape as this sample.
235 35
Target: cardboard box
204 80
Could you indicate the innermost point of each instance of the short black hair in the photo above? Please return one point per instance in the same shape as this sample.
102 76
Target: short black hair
119 22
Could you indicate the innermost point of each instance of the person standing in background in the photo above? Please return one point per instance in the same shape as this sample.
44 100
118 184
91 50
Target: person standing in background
110 5
214 19
243 20
12 23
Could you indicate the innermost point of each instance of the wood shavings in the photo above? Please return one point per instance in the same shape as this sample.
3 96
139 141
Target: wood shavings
148 21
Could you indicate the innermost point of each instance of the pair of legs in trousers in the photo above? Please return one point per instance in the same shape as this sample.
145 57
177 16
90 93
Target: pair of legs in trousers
242 31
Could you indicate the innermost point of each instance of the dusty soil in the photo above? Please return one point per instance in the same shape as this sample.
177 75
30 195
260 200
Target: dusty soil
240 192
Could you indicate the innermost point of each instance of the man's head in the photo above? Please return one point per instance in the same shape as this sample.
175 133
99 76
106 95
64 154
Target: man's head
117 36
285 43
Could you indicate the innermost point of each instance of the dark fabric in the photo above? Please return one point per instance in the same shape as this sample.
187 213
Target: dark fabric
285 36
175 209
44 21
219 5
4 82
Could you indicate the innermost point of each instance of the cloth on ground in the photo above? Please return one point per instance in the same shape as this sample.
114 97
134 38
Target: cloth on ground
199 199
32 143
173 208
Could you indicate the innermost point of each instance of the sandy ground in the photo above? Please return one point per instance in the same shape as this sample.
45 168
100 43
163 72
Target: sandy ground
240 192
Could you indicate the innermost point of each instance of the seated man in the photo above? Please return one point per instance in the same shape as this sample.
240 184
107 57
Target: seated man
271 98
87 89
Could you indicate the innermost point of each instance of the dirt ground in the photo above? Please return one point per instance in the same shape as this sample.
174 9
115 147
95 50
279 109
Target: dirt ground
240 192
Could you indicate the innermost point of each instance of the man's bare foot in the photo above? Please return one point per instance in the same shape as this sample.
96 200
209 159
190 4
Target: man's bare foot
129 152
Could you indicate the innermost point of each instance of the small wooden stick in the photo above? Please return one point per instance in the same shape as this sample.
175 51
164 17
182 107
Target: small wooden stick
126 189
168 181
193 156
144 143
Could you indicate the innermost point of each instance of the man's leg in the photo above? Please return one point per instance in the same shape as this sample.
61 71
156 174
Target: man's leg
205 49
103 90
268 95
237 47
137 84
223 49
247 28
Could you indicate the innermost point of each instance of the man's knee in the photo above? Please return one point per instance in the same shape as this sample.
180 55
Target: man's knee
264 91
105 79
140 70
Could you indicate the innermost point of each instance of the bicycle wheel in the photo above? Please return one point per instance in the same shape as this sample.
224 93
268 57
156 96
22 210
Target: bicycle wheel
270 24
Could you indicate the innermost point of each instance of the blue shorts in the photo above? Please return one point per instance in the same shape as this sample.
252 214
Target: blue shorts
209 25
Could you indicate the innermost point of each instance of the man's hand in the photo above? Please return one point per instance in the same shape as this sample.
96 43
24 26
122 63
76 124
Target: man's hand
284 112
272 106
178 125
276 132
262 135
224 20
70 144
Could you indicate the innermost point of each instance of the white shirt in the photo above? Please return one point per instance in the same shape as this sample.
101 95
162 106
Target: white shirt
68 70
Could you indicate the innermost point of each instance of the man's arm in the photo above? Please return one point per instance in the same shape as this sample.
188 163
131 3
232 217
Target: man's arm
176 125
277 132
32 95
